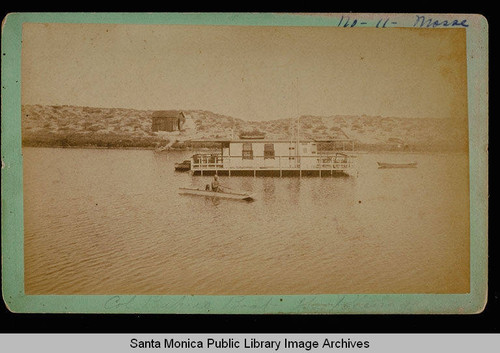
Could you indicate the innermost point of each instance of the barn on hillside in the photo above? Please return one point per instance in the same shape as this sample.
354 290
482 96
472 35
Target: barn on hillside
167 120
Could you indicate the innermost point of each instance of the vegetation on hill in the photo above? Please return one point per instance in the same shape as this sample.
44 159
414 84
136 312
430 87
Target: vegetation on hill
71 126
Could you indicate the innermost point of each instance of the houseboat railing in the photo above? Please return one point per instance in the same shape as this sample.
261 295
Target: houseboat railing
321 162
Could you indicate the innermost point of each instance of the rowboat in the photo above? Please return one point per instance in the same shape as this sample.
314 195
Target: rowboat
397 165
218 194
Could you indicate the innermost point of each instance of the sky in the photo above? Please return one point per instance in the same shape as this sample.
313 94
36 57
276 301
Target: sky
248 72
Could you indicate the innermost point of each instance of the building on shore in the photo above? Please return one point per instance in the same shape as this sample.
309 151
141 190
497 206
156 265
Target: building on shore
167 120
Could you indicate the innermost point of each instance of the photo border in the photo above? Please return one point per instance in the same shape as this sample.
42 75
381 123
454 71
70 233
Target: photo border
12 180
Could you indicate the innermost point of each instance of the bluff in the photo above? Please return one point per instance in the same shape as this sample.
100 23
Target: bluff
74 126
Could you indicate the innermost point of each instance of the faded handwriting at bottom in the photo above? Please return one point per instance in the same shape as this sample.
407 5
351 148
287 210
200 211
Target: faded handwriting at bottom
118 301
314 303
234 304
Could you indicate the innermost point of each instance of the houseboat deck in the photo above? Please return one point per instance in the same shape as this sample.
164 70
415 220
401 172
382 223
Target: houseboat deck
273 157
321 165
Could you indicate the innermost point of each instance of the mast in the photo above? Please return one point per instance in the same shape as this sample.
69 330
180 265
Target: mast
298 116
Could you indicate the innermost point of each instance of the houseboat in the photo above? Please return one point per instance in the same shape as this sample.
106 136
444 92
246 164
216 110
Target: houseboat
275 157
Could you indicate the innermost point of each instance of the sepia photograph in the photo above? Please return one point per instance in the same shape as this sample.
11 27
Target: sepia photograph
246 160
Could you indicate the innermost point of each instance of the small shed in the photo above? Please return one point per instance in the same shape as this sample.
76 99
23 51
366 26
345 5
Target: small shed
167 120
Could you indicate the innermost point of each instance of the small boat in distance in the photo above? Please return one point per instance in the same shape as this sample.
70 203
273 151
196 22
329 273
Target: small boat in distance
217 194
397 165
183 166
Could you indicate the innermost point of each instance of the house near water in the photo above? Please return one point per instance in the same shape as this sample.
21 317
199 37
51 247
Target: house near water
315 157
167 120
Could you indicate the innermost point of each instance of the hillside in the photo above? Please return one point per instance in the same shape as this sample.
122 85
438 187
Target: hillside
121 128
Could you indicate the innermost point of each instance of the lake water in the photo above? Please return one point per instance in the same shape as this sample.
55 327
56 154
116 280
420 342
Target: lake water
112 222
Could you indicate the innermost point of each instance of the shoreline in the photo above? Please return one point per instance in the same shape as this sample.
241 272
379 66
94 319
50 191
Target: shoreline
188 150
91 147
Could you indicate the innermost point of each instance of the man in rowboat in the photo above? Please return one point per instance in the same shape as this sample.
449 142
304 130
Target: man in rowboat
215 184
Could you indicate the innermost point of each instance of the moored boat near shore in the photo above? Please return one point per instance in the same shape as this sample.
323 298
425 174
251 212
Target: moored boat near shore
183 166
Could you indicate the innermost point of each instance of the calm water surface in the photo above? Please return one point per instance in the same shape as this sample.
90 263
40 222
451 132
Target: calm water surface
112 222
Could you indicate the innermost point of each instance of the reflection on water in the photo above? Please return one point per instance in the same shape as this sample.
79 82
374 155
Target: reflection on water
112 222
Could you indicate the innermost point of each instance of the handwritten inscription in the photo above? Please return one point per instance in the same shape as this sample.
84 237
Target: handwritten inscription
116 302
347 21
420 21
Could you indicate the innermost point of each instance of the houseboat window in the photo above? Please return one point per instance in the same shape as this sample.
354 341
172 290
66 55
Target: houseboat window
247 151
268 151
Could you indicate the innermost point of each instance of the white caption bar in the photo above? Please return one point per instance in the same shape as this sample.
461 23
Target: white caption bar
372 343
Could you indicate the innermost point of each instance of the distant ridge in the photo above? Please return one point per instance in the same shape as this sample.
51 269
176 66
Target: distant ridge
120 128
